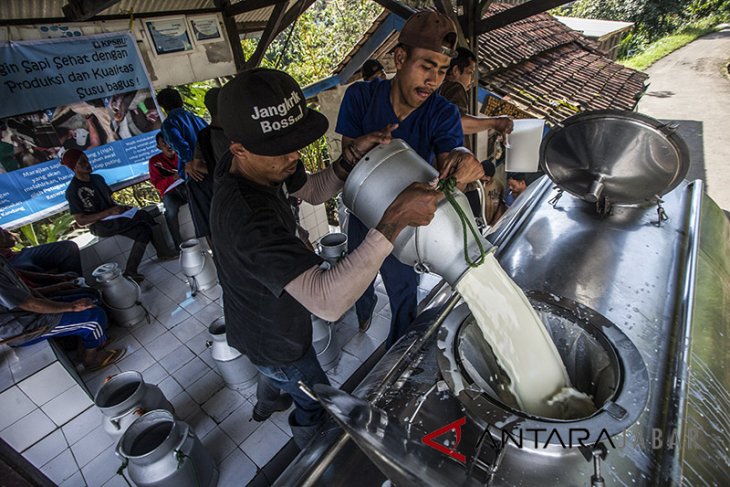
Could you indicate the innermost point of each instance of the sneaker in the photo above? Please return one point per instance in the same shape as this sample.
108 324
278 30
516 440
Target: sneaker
282 403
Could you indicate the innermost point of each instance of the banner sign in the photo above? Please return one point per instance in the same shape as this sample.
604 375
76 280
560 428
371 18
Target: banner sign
90 93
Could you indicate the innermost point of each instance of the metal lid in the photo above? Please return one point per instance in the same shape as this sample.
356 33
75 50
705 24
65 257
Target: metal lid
615 156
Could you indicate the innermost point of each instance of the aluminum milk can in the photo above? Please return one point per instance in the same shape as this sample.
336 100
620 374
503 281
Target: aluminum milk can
125 397
120 294
379 177
162 451
236 369
198 266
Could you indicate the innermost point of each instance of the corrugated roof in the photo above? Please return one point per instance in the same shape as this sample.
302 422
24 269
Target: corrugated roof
543 66
36 10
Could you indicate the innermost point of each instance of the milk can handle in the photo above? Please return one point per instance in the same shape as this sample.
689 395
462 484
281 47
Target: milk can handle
139 289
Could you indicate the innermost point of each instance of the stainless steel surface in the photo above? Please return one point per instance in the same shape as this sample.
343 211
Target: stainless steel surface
622 267
618 156
437 247
163 451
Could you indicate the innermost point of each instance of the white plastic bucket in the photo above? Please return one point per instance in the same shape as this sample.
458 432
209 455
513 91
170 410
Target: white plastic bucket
523 155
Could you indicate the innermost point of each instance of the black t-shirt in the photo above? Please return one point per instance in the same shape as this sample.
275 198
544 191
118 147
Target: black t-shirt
258 253
89 197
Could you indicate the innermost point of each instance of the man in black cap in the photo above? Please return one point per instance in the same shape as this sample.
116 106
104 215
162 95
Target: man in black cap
426 121
272 282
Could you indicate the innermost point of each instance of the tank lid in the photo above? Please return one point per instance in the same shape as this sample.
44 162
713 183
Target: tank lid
615 156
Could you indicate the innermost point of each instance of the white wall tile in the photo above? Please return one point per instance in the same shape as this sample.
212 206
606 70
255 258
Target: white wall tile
155 374
264 443
67 406
239 425
218 444
102 468
14 405
47 384
139 361
176 359
46 449
162 345
89 447
77 480
61 468
28 430
222 404
187 329
206 387
236 469
82 424
191 372
170 387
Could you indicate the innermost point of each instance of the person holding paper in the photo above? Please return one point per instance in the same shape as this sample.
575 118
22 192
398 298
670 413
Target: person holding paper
164 177
91 204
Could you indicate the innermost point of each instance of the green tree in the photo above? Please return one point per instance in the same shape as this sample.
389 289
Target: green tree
321 37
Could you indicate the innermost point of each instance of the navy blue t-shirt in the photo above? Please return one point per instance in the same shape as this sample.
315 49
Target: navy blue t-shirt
431 129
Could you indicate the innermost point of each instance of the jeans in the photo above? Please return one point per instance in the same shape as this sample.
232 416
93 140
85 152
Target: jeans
173 200
57 256
307 412
401 284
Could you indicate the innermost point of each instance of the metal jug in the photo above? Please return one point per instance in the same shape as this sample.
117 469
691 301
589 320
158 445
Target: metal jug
125 397
325 342
379 177
162 451
120 294
333 247
236 369
198 266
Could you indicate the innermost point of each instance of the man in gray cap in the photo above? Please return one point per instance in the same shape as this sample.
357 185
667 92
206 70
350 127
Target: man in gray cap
272 282
426 121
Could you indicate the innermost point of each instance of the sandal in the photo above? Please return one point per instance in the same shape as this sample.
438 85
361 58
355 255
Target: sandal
113 356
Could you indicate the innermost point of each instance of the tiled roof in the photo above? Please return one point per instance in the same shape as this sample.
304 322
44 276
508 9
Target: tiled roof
551 71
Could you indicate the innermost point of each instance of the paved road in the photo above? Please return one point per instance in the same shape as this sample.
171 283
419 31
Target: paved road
692 86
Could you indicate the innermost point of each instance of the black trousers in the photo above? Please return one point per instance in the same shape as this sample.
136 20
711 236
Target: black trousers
138 229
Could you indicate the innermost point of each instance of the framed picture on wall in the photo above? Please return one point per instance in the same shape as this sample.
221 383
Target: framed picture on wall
205 28
169 35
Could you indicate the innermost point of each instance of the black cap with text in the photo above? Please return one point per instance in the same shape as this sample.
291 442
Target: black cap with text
265 111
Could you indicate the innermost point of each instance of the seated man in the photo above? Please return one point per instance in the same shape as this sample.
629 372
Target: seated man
517 183
56 257
26 318
165 179
90 202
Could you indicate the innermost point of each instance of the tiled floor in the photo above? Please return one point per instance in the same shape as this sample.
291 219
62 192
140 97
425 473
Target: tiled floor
171 352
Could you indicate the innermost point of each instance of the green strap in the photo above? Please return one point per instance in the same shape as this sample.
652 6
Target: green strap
447 186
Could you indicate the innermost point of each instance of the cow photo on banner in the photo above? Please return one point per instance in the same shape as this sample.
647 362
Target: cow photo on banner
90 93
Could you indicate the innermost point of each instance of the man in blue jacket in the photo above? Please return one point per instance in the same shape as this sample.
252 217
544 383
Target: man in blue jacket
180 128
